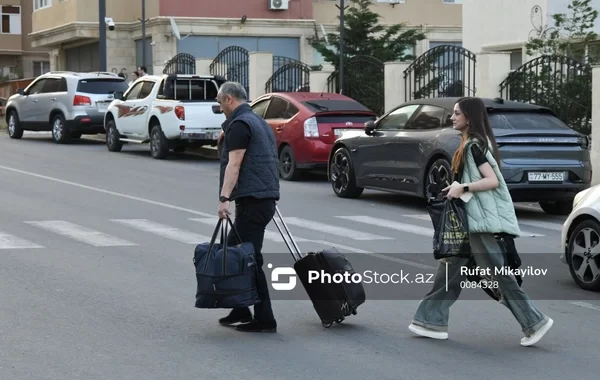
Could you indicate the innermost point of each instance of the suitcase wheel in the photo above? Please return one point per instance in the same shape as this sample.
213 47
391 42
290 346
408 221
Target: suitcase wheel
327 324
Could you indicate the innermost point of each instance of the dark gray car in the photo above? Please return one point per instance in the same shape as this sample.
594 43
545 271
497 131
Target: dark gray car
410 147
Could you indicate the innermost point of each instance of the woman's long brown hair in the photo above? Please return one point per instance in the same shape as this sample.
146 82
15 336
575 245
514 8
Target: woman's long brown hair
478 128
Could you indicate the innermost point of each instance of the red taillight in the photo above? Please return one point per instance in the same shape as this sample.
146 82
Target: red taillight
180 112
79 100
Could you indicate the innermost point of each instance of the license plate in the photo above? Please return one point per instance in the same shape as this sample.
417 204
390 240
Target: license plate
338 132
546 176
101 106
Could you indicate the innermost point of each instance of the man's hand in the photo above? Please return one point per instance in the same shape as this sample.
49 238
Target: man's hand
223 210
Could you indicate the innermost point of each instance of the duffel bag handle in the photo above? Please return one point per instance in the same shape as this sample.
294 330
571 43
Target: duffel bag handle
214 235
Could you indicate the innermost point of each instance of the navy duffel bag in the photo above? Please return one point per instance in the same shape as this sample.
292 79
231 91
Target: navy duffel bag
227 276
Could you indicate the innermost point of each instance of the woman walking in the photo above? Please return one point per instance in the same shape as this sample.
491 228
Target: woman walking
476 166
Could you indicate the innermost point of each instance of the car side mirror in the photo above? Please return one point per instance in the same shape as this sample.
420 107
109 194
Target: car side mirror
369 127
118 95
217 109
21 91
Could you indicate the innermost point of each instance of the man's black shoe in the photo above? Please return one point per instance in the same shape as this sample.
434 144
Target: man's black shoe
236 316
258 326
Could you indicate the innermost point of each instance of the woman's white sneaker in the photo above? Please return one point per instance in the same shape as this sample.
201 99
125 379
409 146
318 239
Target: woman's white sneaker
535 337
419 330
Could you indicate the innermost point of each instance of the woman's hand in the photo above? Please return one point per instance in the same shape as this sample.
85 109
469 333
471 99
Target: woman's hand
454 191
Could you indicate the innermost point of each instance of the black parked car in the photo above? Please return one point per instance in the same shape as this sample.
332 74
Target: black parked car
410 147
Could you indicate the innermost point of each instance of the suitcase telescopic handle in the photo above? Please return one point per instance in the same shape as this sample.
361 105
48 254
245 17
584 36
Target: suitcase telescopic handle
291 244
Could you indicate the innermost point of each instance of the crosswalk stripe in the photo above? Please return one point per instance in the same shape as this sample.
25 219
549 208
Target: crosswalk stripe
523 233
79 233
163 230
269 235
391 224
8 241
333 230
540 224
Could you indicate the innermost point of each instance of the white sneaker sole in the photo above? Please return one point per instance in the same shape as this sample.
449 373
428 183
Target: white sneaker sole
428 333
530 341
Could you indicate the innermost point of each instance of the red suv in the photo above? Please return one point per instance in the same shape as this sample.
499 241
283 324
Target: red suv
306 124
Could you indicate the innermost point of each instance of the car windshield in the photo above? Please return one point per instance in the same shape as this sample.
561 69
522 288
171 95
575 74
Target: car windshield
525 121
321 105
101 86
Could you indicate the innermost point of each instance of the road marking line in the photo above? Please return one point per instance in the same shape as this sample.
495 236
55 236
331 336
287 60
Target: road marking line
114 193
199 213
8 241
427 218
276 236
79 233
540 224
269 235
333 230
586 305
391 224
163 230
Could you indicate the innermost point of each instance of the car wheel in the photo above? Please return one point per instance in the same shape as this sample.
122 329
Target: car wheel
558 207
287 165
159 145
14 126
439 176
59 133
341 175
113 142
583 255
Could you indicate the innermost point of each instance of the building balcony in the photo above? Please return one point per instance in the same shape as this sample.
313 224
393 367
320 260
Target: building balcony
68 12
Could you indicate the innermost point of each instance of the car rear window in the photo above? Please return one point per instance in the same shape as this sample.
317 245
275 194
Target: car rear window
101 86
195 90
525 121
321 105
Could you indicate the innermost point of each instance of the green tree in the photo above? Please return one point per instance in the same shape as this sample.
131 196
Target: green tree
365 42
364 35
554 80
570 34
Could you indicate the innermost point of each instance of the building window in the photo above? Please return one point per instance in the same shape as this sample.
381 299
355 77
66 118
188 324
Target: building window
41 4
516 59
11 19
40 68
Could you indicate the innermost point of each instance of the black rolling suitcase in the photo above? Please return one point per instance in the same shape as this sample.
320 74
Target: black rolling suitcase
333 302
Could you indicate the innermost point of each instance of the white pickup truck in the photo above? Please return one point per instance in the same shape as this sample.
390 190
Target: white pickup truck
170 112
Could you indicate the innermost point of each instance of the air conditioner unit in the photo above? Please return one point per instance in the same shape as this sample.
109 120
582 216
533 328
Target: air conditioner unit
278 5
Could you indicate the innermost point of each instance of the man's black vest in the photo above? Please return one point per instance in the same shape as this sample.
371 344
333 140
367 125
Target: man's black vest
259 172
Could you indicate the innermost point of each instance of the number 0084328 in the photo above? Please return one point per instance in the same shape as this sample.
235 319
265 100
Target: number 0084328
483 284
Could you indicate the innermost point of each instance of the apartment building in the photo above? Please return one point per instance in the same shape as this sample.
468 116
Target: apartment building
69 28
489 25
18 59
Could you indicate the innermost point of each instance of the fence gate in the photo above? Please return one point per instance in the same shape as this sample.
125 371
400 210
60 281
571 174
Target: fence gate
232 63
291 76
182 63
364 78
442 72
558 82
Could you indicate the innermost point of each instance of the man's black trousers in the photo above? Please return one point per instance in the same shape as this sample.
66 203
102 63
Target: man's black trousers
251 218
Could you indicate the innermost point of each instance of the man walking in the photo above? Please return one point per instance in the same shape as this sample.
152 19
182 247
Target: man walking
250 177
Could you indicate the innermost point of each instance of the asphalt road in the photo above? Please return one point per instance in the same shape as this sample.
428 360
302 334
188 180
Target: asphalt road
97 281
